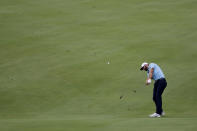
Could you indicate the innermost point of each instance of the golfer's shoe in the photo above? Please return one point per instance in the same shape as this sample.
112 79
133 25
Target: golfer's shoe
154 115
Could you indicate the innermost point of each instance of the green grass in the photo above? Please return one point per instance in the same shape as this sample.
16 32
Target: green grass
54 73
101 123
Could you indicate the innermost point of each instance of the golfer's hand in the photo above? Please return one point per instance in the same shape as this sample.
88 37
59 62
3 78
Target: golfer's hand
148 81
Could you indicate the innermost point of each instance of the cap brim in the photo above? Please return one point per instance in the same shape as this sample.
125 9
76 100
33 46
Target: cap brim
141 68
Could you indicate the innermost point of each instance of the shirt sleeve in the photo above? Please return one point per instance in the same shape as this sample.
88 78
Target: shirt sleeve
152 66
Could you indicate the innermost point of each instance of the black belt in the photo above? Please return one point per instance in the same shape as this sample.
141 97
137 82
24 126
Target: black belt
160 79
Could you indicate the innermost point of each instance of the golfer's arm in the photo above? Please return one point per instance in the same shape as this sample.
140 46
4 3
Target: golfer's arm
151 73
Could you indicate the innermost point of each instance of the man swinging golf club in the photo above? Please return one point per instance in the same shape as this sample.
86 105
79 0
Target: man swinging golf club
154 72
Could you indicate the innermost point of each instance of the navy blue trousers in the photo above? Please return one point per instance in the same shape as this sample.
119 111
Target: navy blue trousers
158 89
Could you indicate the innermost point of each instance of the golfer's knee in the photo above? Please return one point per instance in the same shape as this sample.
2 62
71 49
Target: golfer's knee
158 97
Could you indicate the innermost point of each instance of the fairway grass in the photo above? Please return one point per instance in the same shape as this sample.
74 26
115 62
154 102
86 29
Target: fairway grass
64 64
97 123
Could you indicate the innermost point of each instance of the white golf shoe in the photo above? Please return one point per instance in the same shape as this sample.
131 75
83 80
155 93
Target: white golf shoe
154 115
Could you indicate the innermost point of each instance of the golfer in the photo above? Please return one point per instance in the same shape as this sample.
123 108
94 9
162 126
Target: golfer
154 72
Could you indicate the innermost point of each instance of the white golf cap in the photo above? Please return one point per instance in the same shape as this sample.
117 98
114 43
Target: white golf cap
143 64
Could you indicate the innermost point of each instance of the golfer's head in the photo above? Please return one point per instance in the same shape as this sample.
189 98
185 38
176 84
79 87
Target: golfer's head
144 66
